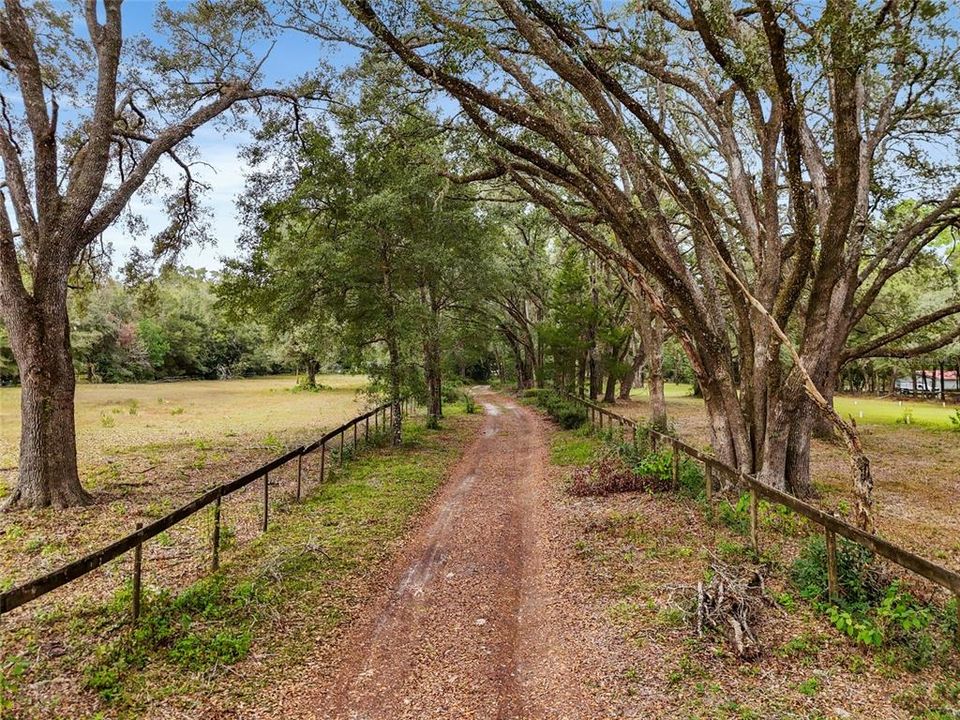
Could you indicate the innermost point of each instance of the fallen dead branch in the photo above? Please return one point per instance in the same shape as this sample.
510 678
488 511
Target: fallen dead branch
731 603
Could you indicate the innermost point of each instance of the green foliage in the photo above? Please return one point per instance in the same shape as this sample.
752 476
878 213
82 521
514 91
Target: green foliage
857 574
735 516
566 413
657 465
869 611
572 449
469 403
955 420
359 255
198 651
167 326
809 687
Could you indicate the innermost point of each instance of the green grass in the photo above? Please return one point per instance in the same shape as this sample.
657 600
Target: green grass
929 414
883 411
116 417
275 597
670 390
573 447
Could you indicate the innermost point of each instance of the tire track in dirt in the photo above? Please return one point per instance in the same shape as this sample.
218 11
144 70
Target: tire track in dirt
473 622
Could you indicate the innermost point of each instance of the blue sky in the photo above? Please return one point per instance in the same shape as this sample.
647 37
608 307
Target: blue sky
293 55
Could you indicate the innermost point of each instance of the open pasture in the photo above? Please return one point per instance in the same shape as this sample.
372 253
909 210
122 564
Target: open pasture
145 449
117 418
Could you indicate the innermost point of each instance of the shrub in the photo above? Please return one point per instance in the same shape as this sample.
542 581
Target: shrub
955 420
469 404
566 413
450 391
658 465
858 575
303 386
610 474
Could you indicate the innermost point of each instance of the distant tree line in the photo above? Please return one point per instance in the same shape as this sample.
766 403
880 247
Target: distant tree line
170 326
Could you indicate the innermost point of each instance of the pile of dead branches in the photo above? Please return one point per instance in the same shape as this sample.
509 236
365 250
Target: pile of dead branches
731 603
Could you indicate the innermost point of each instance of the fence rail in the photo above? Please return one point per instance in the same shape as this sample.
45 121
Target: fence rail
33 589
832 526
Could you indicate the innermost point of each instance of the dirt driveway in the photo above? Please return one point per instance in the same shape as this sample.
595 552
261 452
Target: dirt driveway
475 620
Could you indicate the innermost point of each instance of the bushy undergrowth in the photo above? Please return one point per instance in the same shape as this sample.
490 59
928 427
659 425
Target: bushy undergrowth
611 474
302 387
858 575
629 467
871 609
566 413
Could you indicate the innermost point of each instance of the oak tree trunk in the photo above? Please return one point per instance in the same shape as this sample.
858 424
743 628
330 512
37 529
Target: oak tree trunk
312 367
40 340
626 384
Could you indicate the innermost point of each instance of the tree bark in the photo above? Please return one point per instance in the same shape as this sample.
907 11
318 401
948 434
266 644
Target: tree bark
312 366
40 339
393 347
626 383
431 365
651 336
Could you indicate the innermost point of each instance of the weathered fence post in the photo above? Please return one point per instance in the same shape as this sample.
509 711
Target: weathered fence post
754 537
266 501
634 428
354 437
833 589
323 458
675 464
137 573
215 560
366 430
340 459
299 473
652 434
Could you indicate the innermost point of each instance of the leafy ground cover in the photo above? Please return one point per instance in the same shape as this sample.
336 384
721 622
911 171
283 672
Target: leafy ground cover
211 643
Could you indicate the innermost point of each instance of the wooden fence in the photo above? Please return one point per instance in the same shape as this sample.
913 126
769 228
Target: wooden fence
381 418
831 525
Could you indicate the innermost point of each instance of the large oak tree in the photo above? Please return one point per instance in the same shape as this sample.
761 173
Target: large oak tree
739 159
86 120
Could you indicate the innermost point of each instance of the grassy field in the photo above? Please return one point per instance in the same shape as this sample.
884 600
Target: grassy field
210 645
148 448
112 419
866 410
916 465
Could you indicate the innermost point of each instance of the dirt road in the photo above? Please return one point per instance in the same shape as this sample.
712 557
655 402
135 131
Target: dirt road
475 621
